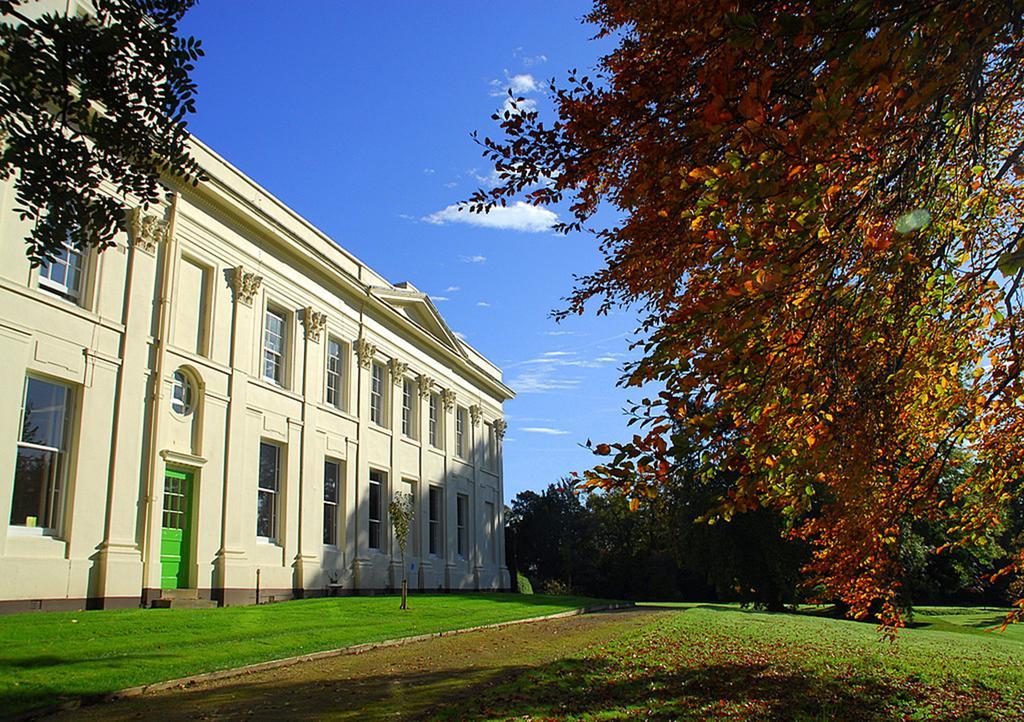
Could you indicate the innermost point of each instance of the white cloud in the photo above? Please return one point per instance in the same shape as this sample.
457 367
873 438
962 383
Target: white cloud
428 171
473 259
559 353
606 359
559 333
452 289
451 184
520 216
459 335
483 304
437 299
544 430
541 378
520 84
514 107
529 61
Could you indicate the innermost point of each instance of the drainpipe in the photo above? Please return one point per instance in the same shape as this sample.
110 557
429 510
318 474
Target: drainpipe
160 345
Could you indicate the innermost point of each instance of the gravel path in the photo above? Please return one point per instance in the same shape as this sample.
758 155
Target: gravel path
404 682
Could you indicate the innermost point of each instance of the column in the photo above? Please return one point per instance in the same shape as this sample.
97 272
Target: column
500 426
361 564
234 569
310 477
120 562
476 505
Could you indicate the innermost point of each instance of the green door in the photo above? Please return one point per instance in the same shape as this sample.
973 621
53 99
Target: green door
175 540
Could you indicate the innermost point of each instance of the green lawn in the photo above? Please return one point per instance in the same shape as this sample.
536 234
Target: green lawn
50 657
721 662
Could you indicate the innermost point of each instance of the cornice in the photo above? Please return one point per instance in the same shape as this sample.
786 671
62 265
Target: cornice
215 193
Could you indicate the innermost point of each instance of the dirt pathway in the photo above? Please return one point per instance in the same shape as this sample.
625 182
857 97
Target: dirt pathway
403 682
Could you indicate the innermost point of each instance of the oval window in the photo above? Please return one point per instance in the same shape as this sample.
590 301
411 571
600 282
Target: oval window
181 393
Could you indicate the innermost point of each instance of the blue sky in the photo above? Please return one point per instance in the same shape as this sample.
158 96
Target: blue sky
358 116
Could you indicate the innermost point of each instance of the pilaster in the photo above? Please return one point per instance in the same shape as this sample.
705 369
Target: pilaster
233 564
119 563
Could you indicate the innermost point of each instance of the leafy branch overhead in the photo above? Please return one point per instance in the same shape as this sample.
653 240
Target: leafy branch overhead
92 115
821 215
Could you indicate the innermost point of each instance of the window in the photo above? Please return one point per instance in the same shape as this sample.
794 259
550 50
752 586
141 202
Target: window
377 394
408 408
181 393
191 302
42 451
270 476
274 340
335 373
376 508
491 448
435 421
460 431
332 483
63 275
434 518
461 517
490 540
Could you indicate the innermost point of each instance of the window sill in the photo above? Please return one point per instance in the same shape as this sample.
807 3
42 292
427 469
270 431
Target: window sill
267 541
336 411
277 388
31 531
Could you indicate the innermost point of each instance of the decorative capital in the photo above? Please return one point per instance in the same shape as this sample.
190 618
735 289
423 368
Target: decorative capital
475 414
448 399
146 230
314 322
398 370
245 284
424 382
365 351
500 427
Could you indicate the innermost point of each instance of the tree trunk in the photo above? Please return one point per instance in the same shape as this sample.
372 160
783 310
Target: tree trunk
405 593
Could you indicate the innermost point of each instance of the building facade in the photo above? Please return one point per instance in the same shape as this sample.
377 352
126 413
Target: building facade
226 402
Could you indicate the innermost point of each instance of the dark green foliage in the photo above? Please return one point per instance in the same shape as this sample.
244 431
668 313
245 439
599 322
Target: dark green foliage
659 551
93 100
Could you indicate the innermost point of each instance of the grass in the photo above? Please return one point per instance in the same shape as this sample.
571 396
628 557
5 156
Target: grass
46 658
720 662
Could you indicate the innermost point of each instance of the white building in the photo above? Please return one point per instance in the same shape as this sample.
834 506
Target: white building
225 399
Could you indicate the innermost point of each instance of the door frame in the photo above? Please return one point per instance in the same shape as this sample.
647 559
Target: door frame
189 544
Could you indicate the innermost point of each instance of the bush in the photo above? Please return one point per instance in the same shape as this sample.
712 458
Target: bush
556 588
523 584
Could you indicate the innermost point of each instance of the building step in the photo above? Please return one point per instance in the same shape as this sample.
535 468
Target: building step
179 593
165 603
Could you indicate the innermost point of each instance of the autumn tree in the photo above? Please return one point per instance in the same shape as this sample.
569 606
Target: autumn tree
819 211
92 114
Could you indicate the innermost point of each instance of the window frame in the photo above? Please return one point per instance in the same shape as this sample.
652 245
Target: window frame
56 482
378 394
273 493
490 448
281 377
435 521
63 290
462 525
409 409
375 524
331 506
339 374
434 419
187 403
461 422
204 337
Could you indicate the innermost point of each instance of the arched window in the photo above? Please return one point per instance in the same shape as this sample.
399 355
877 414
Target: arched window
182 393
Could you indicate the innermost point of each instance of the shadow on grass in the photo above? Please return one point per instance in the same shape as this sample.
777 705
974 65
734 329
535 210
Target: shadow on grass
569 687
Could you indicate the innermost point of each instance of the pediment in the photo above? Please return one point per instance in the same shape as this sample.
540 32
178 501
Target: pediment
418 308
